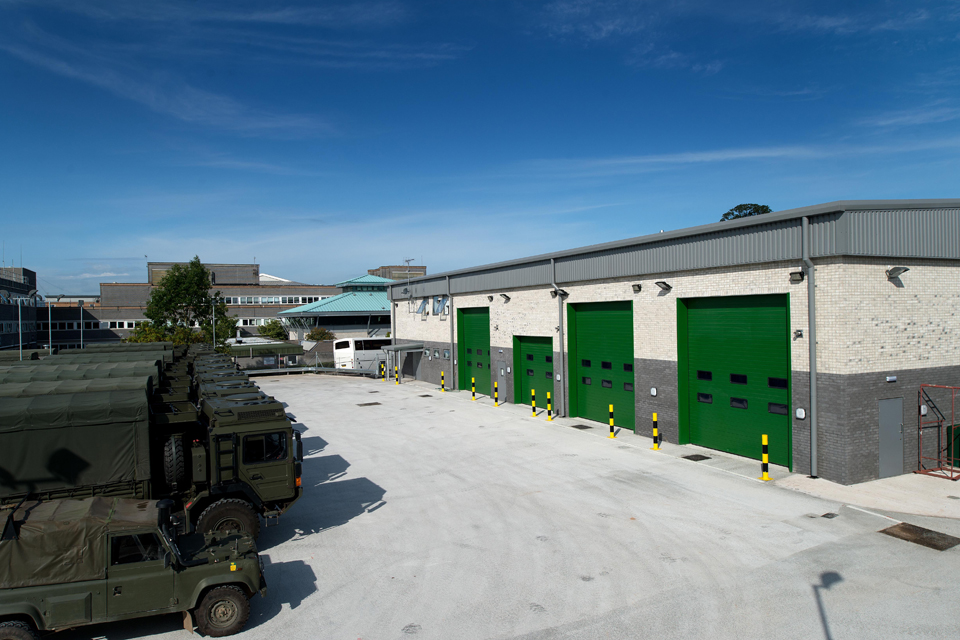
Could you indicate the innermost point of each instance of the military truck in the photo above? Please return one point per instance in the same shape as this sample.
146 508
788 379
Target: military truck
70 563
26 373
223 470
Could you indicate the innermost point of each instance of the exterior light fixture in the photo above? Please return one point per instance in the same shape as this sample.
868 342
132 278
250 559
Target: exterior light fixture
636 288
663 285
896 272
562 293
553 293
796 277
505 297
489 298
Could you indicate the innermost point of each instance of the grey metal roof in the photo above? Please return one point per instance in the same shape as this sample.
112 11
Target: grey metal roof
882 228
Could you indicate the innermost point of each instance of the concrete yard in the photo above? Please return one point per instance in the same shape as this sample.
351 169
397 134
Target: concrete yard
431 516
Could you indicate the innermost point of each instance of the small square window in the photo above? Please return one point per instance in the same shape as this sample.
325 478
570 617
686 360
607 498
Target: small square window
446 354
777 383
548 359
436 353
529 356
705 398
479 365
469 364
549 375
479 352
584 363
704 375
777 408
587 380
470 351
529 372
628 386
606 365
738 403
738 378
606 384
628 368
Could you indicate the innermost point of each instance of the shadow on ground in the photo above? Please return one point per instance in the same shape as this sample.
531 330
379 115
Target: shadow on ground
288 583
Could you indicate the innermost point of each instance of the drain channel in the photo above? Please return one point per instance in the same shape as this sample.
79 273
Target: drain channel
367 404
922 536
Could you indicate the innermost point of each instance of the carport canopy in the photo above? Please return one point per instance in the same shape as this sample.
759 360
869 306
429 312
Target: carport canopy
410 346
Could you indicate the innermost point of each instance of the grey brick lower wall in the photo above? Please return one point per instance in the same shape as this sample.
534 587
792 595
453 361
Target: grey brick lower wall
662 375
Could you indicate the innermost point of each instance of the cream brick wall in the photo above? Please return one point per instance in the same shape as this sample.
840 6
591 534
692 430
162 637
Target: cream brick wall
864 322
867 324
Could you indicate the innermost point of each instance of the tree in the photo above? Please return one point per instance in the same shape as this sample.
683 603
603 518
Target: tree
273 329
181 308
745 211
318 334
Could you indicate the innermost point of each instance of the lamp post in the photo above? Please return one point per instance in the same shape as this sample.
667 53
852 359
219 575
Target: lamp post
49 330
80 304
213 321
20 327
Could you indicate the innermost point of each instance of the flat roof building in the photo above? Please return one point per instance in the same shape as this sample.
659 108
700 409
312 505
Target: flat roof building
814 326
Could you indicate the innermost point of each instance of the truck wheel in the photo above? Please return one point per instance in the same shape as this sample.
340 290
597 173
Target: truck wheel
15 630
229 514
174 464
222 612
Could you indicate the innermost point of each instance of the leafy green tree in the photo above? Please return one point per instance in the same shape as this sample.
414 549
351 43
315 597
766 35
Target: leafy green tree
273 329
182 309
745 211
318 334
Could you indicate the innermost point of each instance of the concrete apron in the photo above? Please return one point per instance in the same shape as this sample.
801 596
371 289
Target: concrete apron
911 493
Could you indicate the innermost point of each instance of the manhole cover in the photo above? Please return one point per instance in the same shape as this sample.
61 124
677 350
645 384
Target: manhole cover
581 426
426 395
922 536
367 404
696 457
829 516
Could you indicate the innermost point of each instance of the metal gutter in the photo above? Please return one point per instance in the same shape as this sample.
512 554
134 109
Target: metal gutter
812 337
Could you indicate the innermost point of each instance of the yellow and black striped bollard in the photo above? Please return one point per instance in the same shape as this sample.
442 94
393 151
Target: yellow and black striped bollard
396 373
443 386
656 434
496 394
383 373
473 389
533 403
611 422
765 461
549 408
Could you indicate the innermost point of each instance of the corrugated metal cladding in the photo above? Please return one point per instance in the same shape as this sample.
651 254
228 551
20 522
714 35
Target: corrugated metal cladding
932 233
916 233
761 243
524 275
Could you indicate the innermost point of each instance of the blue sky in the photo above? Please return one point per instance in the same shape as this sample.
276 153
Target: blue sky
323 139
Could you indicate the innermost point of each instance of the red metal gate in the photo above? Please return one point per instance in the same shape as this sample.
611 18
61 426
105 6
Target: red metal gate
938 431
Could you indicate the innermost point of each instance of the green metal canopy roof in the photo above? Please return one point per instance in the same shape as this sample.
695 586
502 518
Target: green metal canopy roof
351 302
366 279
266 349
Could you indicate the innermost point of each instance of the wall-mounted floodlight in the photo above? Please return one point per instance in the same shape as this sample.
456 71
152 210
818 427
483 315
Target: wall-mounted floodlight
489 298
553 293
896 272
796 277
505 297
636 288
563 294
663 285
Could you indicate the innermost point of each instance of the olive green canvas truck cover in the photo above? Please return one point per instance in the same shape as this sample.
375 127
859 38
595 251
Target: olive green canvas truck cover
70 358
62 541
57 442
45 388
81 371
121 347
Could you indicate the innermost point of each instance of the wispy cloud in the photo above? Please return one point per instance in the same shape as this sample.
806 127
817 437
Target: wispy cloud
596 20
85 276
927 114
160 92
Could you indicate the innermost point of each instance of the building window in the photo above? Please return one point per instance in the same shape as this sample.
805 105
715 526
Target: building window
704 375
777 408
705 398
738 378
777 383
738 403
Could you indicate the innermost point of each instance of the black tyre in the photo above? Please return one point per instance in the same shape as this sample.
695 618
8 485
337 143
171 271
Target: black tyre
229 515
174 463
222 612
17 631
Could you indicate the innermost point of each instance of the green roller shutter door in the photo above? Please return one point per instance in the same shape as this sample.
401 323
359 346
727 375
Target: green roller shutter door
737 373
533 369
601 361
473 348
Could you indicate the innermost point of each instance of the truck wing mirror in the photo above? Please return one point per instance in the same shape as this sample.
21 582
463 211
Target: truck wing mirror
166 559
296 434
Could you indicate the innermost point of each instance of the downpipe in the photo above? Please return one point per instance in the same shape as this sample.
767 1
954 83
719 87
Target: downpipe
812 337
